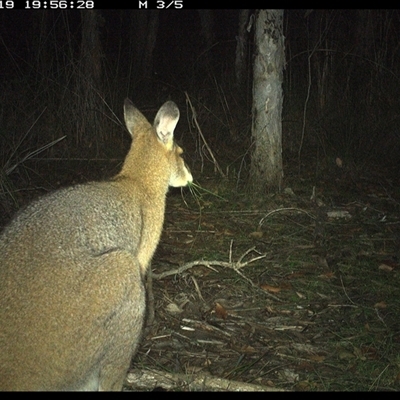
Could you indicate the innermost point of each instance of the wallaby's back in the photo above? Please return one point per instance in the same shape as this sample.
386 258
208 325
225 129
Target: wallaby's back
72 298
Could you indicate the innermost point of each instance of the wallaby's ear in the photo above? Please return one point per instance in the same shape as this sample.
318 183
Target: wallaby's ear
133 117
165 122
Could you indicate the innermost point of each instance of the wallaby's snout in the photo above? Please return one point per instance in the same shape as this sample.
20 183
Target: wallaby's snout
73 264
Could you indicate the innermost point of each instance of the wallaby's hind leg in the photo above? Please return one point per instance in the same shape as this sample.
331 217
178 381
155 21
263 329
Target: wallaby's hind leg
121 327
124 326
117 333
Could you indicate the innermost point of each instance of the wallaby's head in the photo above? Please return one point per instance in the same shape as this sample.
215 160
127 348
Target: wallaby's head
154 156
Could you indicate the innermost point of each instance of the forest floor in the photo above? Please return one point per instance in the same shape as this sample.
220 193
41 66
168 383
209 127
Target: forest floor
294 291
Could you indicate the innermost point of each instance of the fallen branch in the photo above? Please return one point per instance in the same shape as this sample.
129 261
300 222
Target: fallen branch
236 266
151 379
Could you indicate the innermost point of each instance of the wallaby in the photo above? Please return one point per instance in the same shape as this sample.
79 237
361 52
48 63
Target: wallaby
73 263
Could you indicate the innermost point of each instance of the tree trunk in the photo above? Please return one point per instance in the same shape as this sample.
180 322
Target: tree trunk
90 102
138 38
148 56
206 22
241 48
143 37
266 172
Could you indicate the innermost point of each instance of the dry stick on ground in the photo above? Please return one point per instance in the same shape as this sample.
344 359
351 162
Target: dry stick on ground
285 209
149 379
216 165
236 266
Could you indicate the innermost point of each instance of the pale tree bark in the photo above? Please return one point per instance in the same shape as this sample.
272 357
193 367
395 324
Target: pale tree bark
266 171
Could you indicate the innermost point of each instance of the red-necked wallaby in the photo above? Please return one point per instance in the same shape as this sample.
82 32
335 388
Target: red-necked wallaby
73 263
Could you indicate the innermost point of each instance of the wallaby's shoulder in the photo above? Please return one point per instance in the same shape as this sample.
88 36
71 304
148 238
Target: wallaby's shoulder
57 197
95 216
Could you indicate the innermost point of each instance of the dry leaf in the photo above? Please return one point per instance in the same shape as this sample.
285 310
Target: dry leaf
269 309
391 263
339 162
338 214
305 366
317 358
381 304
328 275
173 308
272 289
247 349
345 355
289 375
370 353
220 311
206 225
385 267
256 234
303 386
207 363
289 191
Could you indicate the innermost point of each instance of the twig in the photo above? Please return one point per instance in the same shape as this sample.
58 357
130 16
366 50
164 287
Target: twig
236 266
184 267
206 327
247 252
216 165
371 387
33 154
209 264
285 209
344 290
197 289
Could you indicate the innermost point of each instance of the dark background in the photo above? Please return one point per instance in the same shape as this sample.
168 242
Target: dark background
341 85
